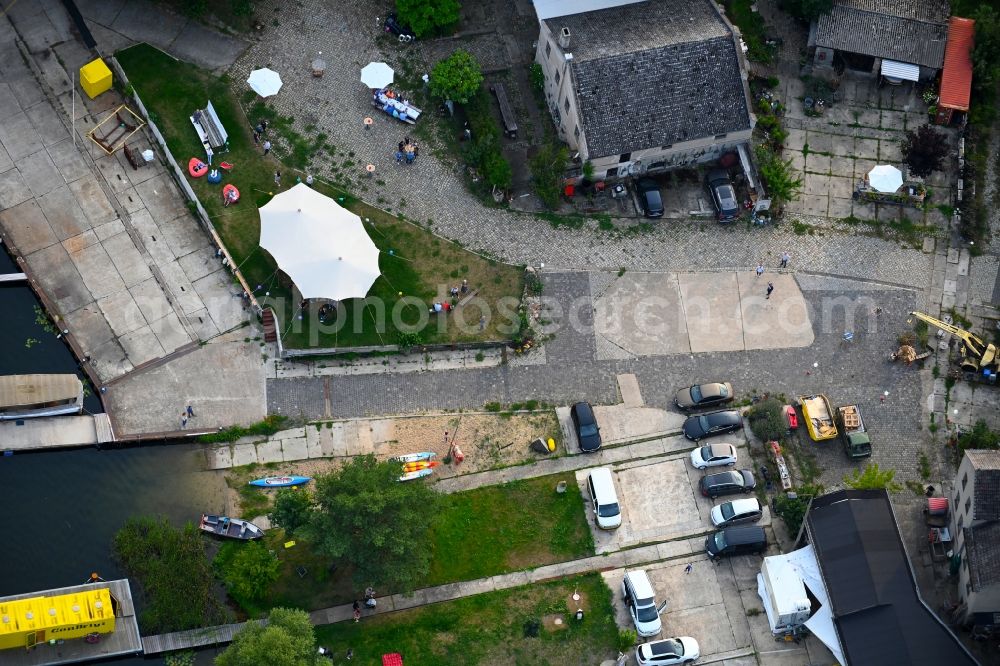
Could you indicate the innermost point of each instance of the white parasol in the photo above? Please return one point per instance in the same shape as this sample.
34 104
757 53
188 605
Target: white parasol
377 75
265 82
885 178
320 245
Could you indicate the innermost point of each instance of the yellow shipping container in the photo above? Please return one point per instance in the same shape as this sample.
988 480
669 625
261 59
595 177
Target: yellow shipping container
26 622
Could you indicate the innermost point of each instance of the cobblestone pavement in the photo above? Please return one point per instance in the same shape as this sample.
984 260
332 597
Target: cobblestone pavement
349 36
855 372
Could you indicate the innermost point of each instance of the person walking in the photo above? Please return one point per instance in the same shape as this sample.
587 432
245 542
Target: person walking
370 597
688 568
770 288
190 412
267 146
277 178
785 258
760 269
357 610
184 419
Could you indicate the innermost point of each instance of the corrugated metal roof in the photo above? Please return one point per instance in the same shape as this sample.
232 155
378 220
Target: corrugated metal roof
900 70
30 390
869 28
956 79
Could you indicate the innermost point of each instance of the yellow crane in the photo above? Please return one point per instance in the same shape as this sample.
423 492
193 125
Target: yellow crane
977 354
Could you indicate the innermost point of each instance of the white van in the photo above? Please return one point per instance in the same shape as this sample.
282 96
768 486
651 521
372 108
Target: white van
601 486
641 603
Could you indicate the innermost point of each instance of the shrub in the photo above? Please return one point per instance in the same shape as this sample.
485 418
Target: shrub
547 169
247 569
485 150
767 420
924 150
457 77
536 76
428 17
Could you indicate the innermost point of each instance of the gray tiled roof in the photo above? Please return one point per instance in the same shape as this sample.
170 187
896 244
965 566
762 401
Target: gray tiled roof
654 73
982 550
986 501
913 31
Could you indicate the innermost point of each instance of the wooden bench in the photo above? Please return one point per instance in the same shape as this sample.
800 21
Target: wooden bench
506 113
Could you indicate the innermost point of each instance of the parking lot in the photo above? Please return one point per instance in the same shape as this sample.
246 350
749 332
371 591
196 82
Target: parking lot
659 498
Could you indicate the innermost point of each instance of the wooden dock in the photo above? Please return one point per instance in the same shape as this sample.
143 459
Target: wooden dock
48 432
124 641
204 636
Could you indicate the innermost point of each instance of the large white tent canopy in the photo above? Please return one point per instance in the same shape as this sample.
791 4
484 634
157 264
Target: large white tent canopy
320 245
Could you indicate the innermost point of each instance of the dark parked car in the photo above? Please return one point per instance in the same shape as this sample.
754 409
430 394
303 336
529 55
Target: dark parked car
723 195
727 483
736 541
392 25
587 432
711 424
704 395
649 198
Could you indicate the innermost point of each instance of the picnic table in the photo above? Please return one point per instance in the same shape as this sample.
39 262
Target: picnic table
391 103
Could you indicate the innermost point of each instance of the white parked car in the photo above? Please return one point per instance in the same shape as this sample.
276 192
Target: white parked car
669 651
713 455
737 511
641 603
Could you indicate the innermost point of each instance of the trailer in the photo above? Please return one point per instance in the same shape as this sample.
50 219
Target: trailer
783 594
818 415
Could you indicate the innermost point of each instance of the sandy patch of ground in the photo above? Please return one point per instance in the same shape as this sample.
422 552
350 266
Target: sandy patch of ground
487 440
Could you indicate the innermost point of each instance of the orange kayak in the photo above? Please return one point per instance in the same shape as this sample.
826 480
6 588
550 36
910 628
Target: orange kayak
419 464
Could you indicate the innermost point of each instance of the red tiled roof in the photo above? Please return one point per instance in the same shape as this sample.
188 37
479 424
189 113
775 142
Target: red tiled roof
956 78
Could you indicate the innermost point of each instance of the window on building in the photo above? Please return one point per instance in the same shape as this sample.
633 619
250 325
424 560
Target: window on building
566 105
657 165
548 49
625 157
558 76
961 519
576 131
611 173
667 147
965 480
968 505
720 137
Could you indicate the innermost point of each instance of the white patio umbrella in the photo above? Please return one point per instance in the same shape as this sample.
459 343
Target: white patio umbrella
265 82
320 245
377 75
885 178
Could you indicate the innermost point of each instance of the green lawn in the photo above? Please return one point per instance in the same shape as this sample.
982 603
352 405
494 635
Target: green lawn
421 265
519 525
478 533
489 628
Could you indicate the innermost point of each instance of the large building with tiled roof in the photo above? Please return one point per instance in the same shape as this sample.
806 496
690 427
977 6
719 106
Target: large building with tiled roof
643 86
976 527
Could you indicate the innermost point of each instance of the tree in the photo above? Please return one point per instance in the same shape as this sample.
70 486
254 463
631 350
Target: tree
873 478
249 572
291 509
793 509
428 17
924 150
377 525
457 77
986 52
287 640
781 180
980 437
807 9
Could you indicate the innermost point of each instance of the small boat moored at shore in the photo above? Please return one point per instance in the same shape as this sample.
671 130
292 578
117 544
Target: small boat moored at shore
280 481
231 528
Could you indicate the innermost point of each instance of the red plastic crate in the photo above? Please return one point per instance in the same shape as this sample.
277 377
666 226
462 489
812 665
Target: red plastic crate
394 659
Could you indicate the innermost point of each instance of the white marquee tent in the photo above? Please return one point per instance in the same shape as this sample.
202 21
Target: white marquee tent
320 245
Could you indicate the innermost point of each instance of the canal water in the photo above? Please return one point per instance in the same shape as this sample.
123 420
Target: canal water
61 509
